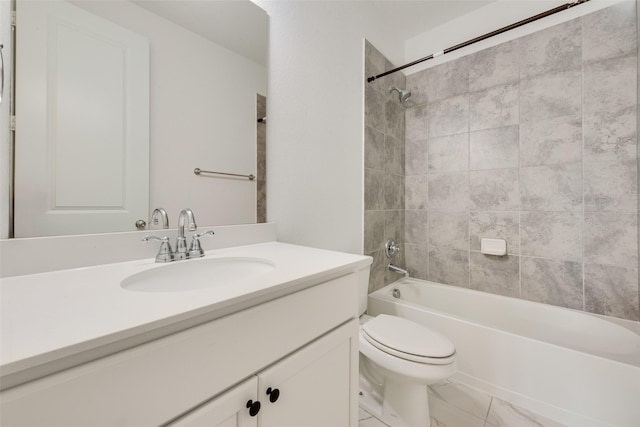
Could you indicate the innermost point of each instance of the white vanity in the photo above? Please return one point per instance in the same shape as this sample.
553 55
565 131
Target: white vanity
277 347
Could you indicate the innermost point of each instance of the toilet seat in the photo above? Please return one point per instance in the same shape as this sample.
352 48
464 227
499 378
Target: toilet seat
408 340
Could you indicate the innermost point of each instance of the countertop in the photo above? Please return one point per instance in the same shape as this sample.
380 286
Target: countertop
52 321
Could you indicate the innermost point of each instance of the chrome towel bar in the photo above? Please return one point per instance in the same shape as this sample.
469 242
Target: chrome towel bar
199 171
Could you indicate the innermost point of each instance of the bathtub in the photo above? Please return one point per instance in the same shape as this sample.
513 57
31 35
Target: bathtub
577 368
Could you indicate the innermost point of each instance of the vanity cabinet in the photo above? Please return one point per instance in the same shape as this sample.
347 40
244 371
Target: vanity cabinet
309 388
304 344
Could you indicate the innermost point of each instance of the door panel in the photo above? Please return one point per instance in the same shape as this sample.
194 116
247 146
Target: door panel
228 410
82 122
314 384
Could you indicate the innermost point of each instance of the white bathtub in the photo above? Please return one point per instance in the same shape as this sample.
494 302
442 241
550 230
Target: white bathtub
579 369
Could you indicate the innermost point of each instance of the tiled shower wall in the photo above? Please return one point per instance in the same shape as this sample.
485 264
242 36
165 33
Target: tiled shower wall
533 141
384 166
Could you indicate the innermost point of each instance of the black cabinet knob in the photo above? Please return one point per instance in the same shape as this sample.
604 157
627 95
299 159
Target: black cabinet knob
254 407
273 394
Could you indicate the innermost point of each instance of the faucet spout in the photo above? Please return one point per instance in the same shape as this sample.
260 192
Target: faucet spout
187 219
158 215
186 216
397 269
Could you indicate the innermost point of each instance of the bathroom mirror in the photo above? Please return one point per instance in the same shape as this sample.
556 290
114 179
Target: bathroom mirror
206 76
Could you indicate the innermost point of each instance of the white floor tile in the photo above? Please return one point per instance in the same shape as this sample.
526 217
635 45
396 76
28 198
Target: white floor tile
444 414
371 422
504 414
462 397
363 415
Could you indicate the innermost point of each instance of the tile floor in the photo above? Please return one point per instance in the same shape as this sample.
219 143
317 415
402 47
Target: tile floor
454 404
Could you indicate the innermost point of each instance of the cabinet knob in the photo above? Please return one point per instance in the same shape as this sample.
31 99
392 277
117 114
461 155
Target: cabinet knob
254 407
273 394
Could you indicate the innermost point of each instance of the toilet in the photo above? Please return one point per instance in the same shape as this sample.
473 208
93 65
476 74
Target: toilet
398 359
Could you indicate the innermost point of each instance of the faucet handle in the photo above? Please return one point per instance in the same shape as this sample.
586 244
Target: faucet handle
195 250
165 254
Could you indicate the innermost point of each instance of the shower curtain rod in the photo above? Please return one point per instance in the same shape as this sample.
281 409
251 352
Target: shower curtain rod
482 37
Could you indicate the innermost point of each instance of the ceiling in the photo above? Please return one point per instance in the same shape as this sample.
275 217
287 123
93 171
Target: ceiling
408 18
240 26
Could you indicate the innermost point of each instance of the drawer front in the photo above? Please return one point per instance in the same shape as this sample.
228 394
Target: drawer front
153 383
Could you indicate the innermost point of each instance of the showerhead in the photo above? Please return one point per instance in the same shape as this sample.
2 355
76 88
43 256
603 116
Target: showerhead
403 95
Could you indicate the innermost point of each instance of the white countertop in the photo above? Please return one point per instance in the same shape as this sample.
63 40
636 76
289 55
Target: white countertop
49 317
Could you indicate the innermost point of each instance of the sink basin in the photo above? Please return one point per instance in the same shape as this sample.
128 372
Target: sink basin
197 274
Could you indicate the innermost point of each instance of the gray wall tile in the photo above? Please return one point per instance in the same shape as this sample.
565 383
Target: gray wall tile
393 156
551 188
611 239
396 79
449 116
494 148
554 235
449 266
373 189
554 94
495 274
611 84
448 80
555 48
374 149
552 282
394 120
494 190
416 123
449 229
416 190
373 231
393 226
449 153
610 161
374 64
495 225
494 107
495 66
417 259
418 85
374 115
449 192
393 192
416 157
612 291
378 267
552 141
416 226
610 32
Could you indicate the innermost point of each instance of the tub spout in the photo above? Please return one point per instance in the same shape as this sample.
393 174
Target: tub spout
397 269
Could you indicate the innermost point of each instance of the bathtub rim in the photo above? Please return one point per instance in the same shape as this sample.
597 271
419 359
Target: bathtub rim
384 293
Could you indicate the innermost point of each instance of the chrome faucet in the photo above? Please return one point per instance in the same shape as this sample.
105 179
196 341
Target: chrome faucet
185 218
160 214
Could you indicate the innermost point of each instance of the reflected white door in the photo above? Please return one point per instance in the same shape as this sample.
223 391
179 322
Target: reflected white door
82 122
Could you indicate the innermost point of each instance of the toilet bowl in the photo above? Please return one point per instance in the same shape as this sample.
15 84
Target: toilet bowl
398 359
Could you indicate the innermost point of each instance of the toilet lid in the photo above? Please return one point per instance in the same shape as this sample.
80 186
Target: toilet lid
405 336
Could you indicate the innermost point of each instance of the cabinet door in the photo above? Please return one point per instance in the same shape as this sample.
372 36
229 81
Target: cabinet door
227 410
315 386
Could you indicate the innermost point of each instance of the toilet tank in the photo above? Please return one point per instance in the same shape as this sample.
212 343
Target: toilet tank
363 289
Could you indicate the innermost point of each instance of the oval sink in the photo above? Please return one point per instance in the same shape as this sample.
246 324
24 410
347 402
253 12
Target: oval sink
197 274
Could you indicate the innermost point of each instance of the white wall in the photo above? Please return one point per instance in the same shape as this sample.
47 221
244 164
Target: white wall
315 141
484 20
5 135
